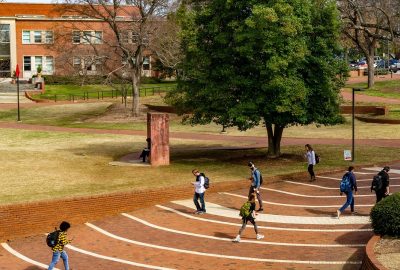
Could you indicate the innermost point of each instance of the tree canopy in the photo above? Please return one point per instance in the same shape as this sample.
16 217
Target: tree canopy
249 62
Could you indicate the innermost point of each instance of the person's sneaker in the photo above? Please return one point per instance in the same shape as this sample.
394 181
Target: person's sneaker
197 212
259 236
260 210
200 212
338 213
354 213
237 239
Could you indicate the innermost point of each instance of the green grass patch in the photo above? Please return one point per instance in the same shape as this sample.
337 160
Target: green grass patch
99 91
45 165
387 89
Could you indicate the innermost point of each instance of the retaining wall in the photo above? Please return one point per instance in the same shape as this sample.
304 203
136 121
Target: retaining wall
370 261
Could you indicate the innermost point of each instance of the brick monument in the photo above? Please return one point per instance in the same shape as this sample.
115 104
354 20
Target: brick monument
158 132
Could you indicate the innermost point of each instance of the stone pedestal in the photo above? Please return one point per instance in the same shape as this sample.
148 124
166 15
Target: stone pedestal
158 132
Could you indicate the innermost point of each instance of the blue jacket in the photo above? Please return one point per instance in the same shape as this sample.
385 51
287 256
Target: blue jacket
256 178
353 182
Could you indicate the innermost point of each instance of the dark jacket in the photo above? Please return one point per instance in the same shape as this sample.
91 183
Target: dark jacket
385 180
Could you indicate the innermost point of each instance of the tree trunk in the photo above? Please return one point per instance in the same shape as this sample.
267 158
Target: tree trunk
274 139
371 68
135 95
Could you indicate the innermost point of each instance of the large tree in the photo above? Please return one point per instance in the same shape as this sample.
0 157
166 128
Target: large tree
368 22
249 62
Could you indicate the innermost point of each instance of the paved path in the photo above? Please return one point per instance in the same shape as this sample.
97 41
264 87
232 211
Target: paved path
368 99
170 236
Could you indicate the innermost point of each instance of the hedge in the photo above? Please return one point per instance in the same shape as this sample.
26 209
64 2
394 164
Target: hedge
385 216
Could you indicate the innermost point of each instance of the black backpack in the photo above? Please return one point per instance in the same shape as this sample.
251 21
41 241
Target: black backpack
317 158
52 238
377 183
206 181
261 178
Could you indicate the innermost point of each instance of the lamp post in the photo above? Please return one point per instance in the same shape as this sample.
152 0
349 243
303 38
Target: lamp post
352 123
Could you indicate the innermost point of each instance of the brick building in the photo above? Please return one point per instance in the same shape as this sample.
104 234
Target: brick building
60 40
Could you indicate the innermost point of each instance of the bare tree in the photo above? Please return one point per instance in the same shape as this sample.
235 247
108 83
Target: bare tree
366 23
132 24
166 43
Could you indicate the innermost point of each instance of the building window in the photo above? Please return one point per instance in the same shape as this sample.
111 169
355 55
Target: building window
49 65
146 63
26 37
37 37
4 33
46 62
87 37
38 62
98 37
76 37
49 37
76 61
27 63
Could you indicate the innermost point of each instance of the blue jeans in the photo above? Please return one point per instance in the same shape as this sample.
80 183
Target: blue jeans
349 201
56 258
196 198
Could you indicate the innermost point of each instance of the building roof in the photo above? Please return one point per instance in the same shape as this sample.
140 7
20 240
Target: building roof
53 11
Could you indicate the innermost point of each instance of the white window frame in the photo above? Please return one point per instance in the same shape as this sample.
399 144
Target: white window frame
91 34
43 36
44 64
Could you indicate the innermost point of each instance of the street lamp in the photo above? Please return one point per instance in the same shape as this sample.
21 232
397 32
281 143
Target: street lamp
352 122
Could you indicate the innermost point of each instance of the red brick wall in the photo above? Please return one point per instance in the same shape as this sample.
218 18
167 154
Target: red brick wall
364 110
370 261
34 218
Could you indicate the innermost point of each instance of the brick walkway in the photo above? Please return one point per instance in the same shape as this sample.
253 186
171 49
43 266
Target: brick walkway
304 233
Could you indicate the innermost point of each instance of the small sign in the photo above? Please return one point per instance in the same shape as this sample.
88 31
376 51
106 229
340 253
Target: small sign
347 154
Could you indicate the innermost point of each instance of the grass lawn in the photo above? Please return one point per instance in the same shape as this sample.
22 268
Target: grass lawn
44 165
98 115
64 92
387 89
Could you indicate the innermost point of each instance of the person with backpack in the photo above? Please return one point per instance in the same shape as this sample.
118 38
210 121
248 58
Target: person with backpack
256 178
146 151
310 156
380 184
199 190
58 245
347 186
247 212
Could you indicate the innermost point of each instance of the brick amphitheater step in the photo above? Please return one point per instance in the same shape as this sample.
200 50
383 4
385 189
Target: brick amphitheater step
304 235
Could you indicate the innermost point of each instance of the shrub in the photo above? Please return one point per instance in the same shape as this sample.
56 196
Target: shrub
385 216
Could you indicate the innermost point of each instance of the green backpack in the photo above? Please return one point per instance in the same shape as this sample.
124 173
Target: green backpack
245 209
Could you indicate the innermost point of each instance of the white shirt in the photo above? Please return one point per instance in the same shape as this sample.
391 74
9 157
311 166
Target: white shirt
310 157
199 185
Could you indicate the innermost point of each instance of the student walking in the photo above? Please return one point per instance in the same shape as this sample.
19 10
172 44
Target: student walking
199 191
380 184
255 184
347 186
310 156
248 214
58 249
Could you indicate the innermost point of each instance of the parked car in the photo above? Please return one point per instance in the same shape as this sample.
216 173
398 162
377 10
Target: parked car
395 67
